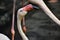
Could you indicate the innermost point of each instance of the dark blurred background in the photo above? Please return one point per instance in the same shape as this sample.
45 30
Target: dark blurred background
39 25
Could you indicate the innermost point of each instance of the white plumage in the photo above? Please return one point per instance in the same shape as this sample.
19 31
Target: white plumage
3 37
21 13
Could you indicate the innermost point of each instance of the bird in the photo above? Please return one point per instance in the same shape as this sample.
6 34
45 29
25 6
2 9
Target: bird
20 14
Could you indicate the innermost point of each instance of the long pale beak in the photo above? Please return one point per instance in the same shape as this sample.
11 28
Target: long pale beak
46 10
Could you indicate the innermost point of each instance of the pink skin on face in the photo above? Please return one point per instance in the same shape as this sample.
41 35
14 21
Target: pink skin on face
28 7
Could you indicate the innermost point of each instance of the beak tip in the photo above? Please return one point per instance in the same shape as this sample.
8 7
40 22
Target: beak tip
35 7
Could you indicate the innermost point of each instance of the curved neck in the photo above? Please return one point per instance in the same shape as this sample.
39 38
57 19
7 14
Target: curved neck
24 37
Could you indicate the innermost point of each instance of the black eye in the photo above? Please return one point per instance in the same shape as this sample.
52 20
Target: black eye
21 10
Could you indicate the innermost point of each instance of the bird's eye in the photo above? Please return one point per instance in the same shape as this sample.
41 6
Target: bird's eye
21 10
